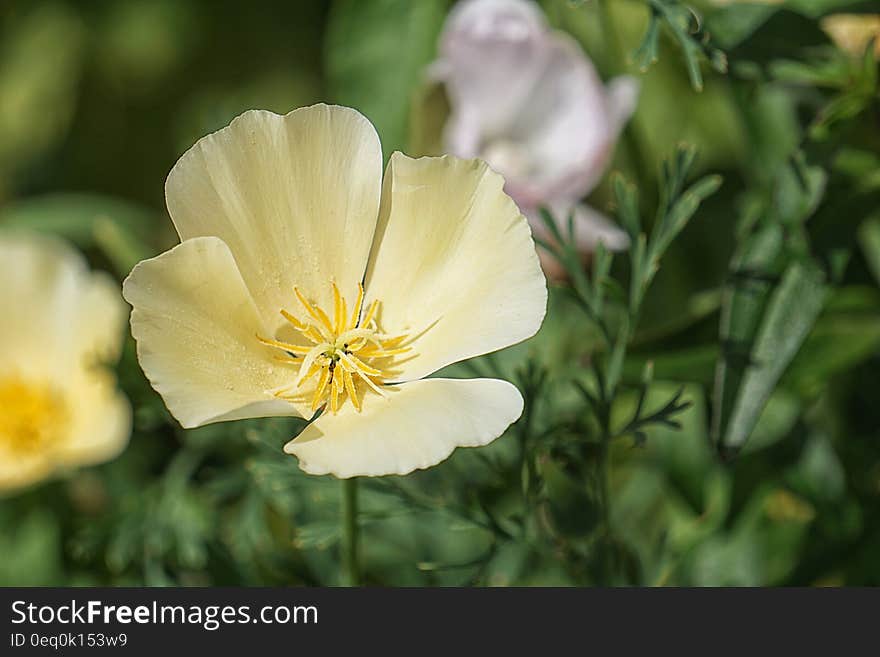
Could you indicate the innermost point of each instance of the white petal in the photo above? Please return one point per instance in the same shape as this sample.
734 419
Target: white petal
623 96
531 104
417 426
294 197
491 55
566 129
454 263
196 327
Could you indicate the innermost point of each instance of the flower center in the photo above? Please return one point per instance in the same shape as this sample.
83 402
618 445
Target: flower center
31 415
346 356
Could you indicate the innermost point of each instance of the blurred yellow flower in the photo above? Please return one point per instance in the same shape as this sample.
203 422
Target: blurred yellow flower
852 32
303 281
59 406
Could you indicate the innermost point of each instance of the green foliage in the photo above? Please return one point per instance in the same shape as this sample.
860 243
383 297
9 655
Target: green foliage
40 66
685 26
791 312
854 81
773 299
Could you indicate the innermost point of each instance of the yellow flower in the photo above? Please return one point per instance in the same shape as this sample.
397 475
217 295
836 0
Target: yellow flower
59 406
304 281
852 32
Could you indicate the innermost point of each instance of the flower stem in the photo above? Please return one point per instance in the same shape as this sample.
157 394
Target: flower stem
350 565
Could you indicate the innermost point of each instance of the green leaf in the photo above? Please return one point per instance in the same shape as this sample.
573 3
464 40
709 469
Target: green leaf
862 166
773 129
731 25
837 343
776 421
791 313
646 55
615 361
686 27
376 54
745 298
799 190
640 275
681 212
601 268
627 199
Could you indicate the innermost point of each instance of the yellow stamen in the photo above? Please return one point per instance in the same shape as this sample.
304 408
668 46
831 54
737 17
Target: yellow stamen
363 367
314 311
319 391
292 348
314 369
366 379
371 311
393 341
343 353
383 353
339 311
33 415
307 330
357 345
334 393
352 392
353 322
298 325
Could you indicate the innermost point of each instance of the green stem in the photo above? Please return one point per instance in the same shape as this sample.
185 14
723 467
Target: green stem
350 565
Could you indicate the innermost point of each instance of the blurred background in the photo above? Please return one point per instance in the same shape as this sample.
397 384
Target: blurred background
99 99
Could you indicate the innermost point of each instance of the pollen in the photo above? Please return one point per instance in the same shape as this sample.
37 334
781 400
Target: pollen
345 355
32 415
